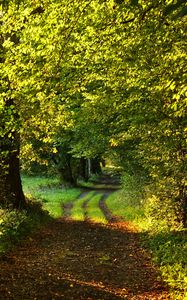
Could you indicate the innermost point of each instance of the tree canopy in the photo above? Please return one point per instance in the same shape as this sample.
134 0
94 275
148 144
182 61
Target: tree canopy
102 76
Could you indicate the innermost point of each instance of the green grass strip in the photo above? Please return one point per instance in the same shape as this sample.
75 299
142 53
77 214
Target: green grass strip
77 212
120 207
94 212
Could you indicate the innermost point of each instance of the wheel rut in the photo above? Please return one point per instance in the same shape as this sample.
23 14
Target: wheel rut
67 207
106 211
85 209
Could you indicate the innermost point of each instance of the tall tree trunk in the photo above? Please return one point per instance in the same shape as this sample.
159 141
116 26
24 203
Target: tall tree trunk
11 192
13 177
10 179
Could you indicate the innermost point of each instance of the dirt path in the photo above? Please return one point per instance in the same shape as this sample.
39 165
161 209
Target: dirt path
81 261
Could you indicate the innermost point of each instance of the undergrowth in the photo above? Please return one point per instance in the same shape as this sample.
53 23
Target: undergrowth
160 228
169 251
45 197
16 225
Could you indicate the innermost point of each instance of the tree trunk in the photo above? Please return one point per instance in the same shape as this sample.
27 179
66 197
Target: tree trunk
67 170
14 180
10 180
95 166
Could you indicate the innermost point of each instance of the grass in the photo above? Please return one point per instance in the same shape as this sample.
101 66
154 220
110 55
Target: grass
49 192
52 196
32 183
94 212
55 198
77 212
122 208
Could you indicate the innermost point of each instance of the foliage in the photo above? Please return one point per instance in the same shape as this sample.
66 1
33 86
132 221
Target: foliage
162 214
11 221
133 188
159 223
169 253
100 77
128 202
16 225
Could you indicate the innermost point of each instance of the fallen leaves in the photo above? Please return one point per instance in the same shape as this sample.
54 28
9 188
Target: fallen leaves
79 260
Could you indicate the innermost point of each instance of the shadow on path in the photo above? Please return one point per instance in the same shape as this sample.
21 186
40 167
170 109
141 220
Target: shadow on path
80 260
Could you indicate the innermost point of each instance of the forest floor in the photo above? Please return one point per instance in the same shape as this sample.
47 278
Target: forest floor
77 260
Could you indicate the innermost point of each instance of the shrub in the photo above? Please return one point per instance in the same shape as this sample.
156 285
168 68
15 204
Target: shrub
169 251
15 224
159 219
133 191
162 214
11 221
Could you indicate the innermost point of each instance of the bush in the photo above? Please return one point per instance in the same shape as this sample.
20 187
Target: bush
169 251
159 219
162 214
15 224
133 191
11 221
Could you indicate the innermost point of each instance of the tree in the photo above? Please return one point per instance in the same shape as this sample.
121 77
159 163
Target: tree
40 54
111 73
138 107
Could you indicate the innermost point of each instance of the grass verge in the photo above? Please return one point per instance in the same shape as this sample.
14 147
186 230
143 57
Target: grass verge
49 193
122 208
